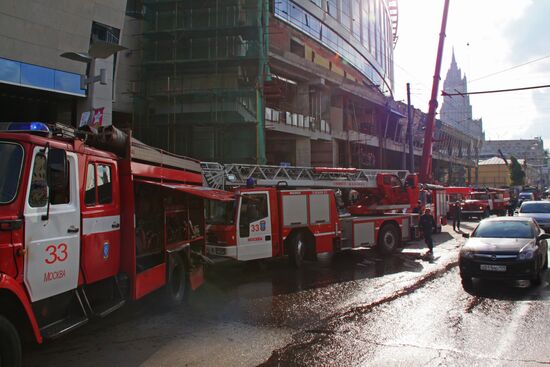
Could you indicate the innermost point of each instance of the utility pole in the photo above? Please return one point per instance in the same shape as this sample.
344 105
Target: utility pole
409 129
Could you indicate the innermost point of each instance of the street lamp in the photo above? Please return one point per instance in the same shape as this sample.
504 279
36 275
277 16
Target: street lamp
97 50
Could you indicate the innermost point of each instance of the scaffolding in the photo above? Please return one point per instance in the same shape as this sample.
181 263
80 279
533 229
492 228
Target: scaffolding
203 68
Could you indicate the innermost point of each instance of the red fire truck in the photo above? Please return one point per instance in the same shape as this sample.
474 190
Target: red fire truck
82 230
454 194
481 204
435 198
296 211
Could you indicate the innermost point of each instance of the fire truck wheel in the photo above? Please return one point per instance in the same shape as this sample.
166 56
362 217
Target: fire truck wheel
177 286
388 239
296 250
10 344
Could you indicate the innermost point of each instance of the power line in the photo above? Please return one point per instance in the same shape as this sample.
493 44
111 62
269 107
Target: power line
511 68
443 93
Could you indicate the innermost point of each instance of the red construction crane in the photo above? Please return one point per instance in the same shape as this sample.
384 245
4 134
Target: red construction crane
426 162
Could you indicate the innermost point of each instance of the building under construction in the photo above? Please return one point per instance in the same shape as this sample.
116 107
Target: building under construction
301 82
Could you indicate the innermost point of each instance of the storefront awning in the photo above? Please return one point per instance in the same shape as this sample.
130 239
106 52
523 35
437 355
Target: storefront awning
200 191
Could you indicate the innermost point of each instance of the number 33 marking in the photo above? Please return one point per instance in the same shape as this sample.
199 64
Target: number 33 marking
56 253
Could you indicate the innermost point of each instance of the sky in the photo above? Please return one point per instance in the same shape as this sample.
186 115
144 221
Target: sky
488 37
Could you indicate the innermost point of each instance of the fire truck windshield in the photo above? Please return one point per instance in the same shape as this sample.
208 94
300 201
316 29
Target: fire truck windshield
220 212
10 170
479 196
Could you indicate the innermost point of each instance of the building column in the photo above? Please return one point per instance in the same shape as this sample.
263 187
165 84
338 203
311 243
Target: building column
303 152
469 163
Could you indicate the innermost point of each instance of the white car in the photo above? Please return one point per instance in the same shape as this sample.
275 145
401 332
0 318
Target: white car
538 210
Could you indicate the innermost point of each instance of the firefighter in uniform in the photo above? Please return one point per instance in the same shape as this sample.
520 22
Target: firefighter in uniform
427 223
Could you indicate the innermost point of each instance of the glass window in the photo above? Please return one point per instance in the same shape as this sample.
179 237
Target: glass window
38 196
331 8
345 14
281 8
37 76
365 25
68 82
10 71
479 196
316 2
89 195
297 16
542 207
220 212
10 171
253 208
372 42
60 194
105 33
356 19
368 20
504 229
104 185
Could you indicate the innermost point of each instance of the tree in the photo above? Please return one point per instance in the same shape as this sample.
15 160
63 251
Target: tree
517 175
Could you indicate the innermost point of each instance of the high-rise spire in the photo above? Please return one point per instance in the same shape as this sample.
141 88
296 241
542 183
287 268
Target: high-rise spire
453 61
457 110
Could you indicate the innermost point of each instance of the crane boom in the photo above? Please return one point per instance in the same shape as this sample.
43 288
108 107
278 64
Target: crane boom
503 157
426 162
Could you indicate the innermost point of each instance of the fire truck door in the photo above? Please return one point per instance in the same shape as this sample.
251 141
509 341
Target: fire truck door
52 234
254 240
100 222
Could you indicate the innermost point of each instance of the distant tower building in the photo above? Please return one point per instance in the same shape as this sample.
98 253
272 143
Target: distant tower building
457 110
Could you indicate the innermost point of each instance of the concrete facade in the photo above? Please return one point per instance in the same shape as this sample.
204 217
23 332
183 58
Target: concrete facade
33 34
530 150
317 104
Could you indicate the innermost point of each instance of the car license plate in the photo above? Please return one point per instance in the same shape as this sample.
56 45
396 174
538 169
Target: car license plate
488 267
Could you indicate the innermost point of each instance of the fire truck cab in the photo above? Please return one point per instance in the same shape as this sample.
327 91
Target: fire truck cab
482 204
83 230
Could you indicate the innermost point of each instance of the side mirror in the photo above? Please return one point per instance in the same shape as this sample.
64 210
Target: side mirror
57 168
544 236
466 235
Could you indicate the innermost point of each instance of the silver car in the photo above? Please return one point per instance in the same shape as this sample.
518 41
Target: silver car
539 211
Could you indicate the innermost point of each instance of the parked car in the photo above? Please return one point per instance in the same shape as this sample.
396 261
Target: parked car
525 196
504 248
539 211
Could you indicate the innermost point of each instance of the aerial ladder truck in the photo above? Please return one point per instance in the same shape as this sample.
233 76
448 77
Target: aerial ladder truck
304 211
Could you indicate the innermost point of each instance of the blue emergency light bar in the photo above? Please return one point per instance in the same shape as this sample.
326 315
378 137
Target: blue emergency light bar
25 127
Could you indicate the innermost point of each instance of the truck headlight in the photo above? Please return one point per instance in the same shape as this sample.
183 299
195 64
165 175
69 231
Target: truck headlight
480 208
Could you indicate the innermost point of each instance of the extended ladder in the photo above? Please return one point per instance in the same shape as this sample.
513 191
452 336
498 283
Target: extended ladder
220 176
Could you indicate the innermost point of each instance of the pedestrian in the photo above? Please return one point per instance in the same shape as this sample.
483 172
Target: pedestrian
418 208
512 206
457 214
427 223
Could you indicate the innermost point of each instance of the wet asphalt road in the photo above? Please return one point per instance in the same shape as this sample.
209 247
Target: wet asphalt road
354 308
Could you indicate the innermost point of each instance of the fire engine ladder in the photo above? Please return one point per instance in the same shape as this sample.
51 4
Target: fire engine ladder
220 176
